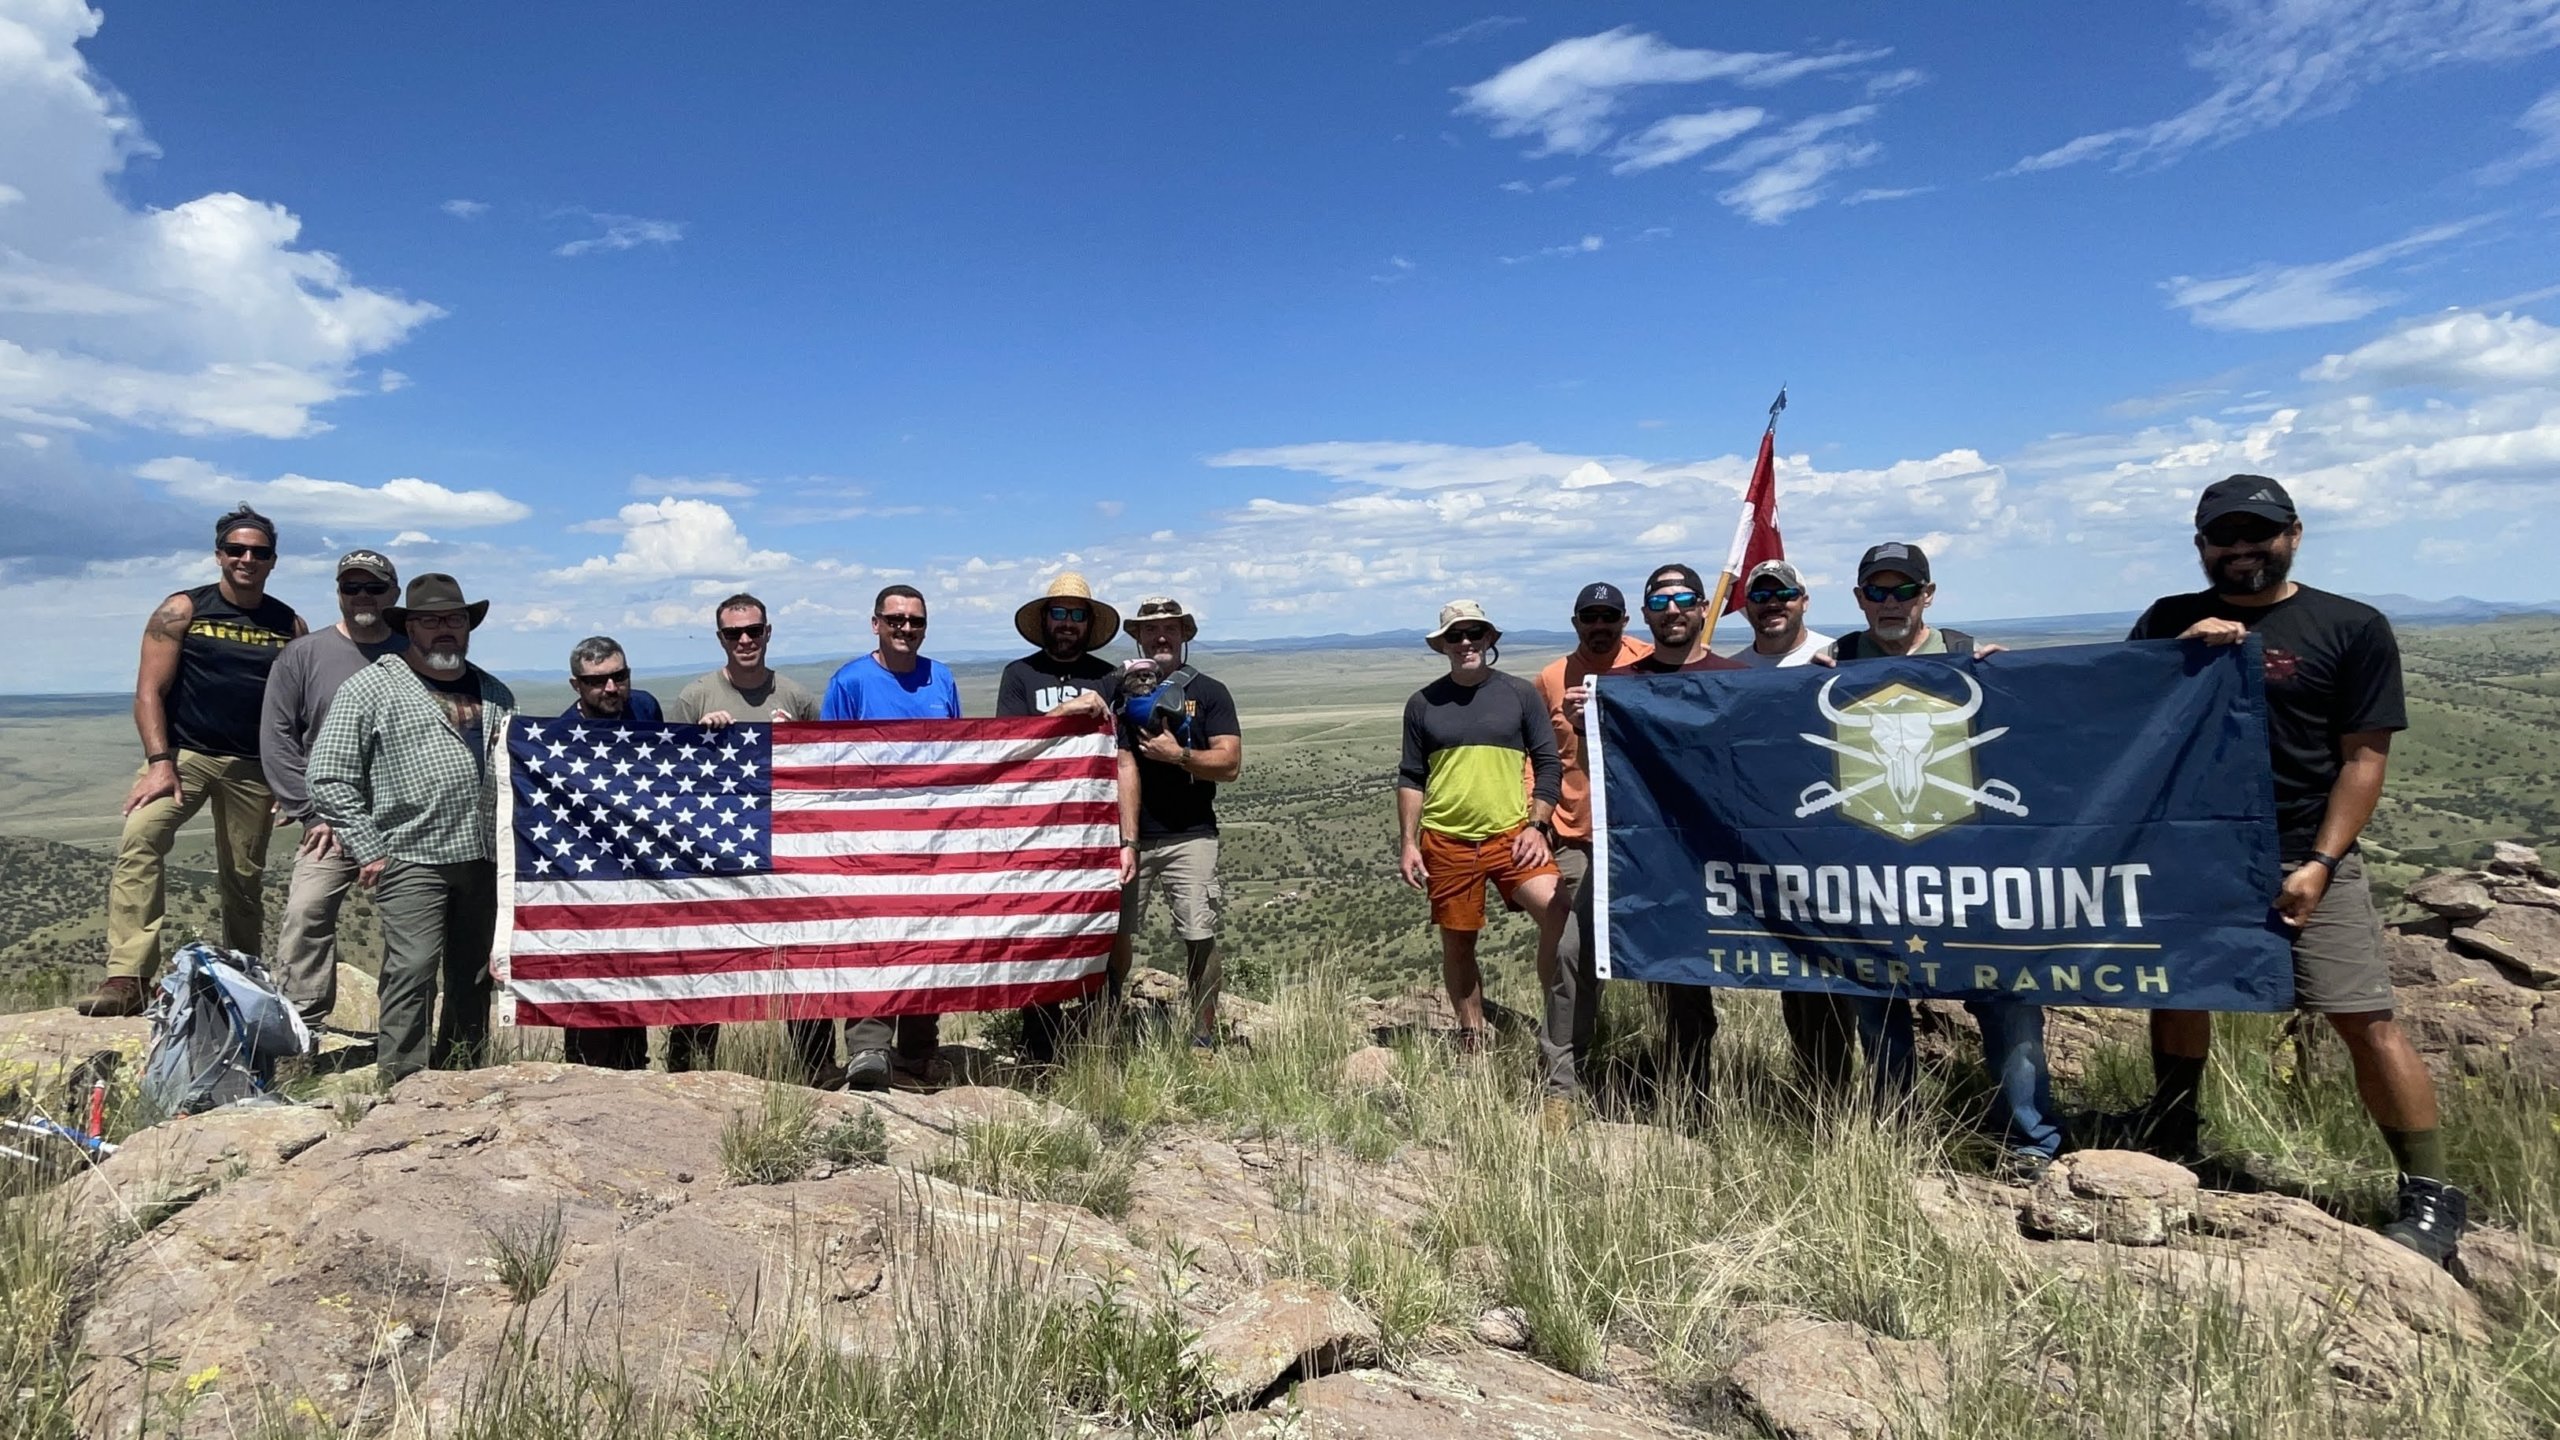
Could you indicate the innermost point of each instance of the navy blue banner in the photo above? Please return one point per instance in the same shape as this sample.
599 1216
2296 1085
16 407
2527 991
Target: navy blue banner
2083 825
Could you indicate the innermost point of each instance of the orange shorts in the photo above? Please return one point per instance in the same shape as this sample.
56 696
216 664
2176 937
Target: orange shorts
1459 870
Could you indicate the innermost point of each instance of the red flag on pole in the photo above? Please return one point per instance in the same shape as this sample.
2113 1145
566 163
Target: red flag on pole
1755 537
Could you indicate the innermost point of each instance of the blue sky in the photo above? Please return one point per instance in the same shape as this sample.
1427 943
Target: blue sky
1314 318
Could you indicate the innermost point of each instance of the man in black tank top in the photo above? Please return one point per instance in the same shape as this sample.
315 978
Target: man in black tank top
196 701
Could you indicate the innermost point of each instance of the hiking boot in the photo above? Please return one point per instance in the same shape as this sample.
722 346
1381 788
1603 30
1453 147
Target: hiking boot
2171 1132
2022 1167
2432 1217
869 1071
115 995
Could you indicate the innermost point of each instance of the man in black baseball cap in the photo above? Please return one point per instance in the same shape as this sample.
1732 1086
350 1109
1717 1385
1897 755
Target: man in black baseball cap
2334 698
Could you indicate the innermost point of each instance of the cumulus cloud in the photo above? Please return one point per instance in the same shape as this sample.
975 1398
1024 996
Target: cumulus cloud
1675 138
2541 121
465 209
620 232
675 539
205 317
1568 95
2289 297
2464 347
335 503
2272 61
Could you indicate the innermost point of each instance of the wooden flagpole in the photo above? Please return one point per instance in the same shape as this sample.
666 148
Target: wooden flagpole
1729 576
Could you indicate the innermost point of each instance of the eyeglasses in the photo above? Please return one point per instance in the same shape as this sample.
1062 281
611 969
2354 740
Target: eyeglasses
1596 616
899 622
2233 530
363 587
1907 590
1466 634
1782 595
254 552
1685 599
1077 613
608 677
732 634
441 620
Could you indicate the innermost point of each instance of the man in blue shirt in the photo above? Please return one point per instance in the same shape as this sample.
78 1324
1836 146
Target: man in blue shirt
894 682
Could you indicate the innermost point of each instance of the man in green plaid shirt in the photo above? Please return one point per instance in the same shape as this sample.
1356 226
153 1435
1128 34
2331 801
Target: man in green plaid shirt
406 770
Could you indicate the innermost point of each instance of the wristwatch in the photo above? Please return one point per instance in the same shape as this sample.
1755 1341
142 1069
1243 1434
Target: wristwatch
157 757
2327 861
1546 828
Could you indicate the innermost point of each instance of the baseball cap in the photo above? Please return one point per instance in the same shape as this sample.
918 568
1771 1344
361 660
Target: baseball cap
1778 570
2244 495
1896 556
1674 571
1600 593
371 562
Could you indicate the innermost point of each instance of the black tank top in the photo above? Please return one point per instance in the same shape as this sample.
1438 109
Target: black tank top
222 673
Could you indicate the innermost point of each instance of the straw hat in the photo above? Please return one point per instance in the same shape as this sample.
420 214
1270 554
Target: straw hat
1068 586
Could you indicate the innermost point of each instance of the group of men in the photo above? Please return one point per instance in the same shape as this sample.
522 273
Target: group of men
1492 790
385 744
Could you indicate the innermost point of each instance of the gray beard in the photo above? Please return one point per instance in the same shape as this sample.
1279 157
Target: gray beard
444 661
1894 632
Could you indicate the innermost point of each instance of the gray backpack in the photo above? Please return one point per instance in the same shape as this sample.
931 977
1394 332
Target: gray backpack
218 1027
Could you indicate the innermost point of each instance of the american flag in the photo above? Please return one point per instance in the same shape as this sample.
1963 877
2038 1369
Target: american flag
670 874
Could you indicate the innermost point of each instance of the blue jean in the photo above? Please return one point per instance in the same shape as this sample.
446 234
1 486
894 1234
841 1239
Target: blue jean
2022 1107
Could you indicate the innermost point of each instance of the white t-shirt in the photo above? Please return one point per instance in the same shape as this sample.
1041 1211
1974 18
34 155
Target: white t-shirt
1801 655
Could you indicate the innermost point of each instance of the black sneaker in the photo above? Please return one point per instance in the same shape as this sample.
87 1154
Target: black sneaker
2432 1217
869 1071
2170 1132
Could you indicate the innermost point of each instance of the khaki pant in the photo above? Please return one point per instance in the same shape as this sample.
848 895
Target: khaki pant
137 889
306 958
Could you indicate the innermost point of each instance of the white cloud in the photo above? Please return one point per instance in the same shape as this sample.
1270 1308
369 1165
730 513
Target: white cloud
1787 170
465 209
2272 61
334 503
1583 246
2464 347
202 317
2541 121
674 539
621 232
1894 82
1675 138
1398 268
1568 94
1476 30
726 486
2288 297
1876 194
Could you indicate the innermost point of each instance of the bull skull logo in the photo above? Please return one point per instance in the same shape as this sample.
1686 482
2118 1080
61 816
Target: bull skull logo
1904 761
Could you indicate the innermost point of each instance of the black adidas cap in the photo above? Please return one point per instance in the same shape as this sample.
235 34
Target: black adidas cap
2244 495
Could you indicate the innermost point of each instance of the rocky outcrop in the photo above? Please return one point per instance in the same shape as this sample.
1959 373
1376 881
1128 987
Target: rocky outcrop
2117 1196
1283 1329
1802 1380
2478 979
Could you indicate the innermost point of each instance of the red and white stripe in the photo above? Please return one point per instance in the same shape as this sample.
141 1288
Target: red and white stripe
918 866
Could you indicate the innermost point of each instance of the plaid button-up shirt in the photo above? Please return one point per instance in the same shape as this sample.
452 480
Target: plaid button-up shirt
397 781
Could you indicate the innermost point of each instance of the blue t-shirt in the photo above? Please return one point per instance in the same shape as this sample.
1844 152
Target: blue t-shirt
643 708
862 690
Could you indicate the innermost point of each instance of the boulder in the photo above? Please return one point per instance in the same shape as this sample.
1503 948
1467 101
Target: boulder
1283 1329
1808 1380
2121 1197
2507 1266
175 1163
1155 997
2509 858
2523 940
1504 1327
1424 1011
2454 894
1472 1395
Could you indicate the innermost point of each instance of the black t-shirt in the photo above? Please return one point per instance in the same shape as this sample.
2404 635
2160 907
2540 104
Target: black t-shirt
1171 800
1037 684
2333 669
221 686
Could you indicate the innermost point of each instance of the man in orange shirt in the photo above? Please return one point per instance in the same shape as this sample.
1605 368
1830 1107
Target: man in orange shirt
1573 998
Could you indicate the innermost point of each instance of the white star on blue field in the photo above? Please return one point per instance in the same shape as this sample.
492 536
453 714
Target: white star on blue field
1319 315
601 801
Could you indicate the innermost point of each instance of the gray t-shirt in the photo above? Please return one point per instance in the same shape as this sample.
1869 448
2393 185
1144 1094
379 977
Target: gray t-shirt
713 692
1813 642
305 678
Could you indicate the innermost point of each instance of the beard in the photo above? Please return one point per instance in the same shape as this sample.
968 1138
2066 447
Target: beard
2273 567
445 662
365 619
1891 629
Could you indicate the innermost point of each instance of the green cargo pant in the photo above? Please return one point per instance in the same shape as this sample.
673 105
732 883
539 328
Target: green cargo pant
137 888
438 922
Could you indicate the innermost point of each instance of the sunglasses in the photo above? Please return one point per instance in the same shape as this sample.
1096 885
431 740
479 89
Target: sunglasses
364 587
731 634
1907 590
1600 617
254 552
2241 530
900 622
1466 635
1782 595
1684 599
609 677
1077 613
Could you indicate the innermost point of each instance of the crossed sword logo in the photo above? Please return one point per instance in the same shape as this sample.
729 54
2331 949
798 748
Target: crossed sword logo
1901 749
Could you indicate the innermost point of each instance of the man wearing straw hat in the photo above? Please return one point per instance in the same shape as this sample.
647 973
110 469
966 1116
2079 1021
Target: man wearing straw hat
406 772
1065 677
